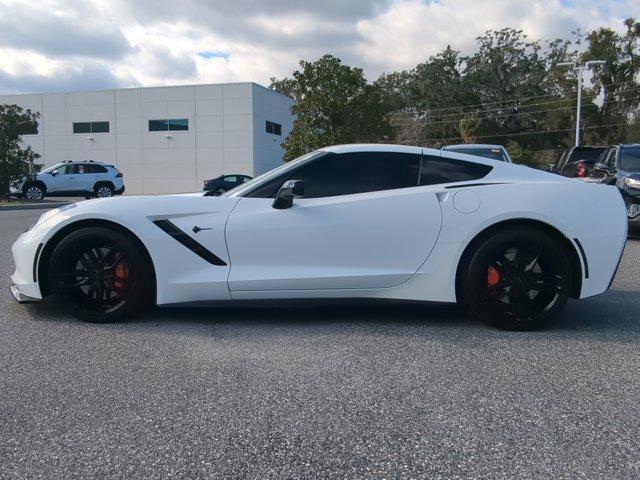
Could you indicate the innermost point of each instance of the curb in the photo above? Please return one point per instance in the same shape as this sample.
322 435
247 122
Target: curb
32 206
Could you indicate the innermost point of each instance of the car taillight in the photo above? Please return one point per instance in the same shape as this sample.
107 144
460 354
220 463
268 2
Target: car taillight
119 175
582 169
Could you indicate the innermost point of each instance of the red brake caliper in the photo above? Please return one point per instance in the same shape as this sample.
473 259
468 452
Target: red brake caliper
493 277
121 273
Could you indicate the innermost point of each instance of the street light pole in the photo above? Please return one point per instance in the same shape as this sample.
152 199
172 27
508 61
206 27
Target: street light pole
579 69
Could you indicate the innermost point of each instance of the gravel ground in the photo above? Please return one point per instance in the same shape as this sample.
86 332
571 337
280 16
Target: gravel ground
319 391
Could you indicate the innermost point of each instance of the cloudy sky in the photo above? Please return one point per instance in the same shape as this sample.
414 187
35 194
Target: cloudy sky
63 45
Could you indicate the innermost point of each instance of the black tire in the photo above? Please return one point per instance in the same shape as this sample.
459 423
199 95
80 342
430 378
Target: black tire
33 191
516 279
103 190
220 191
100 275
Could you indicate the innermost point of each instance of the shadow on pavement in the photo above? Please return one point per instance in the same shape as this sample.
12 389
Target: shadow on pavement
613 316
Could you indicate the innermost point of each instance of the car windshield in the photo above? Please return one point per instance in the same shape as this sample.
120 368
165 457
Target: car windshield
51 169
492 153
265 177
586 154
630 159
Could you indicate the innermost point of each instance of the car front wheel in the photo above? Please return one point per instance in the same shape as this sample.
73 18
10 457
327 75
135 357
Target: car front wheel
516 279
34 192
99 275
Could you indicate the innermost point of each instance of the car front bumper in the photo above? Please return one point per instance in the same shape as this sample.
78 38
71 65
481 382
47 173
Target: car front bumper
26 252
21 297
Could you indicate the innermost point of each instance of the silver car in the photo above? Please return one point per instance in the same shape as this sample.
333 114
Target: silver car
494 152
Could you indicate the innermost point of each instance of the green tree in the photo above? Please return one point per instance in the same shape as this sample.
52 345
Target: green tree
15 160
334 104
616 81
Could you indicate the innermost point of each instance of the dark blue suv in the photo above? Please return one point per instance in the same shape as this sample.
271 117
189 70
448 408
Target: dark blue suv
622 168
224 183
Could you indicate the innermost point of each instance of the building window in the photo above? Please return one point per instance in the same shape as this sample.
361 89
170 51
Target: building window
90 127
169 124
274 128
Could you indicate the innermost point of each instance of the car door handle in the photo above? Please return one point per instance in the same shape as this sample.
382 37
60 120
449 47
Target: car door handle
197 229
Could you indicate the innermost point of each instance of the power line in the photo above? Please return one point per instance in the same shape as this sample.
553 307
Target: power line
530 133
516 99
429 122
526 106
502 108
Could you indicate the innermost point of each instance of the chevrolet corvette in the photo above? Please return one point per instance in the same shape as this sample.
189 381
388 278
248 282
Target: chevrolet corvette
510 243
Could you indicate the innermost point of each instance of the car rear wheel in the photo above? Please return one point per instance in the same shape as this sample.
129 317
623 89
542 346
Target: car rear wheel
99 275
220 191
34 192
102 191
517 279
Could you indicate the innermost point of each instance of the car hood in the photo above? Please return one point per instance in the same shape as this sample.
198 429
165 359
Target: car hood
634 175
157 206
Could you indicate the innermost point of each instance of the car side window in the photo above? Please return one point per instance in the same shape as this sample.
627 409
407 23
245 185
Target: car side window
230 179
95 169
358 172
436 170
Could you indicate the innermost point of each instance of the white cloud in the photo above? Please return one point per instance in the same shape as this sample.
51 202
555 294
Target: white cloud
412 30
63 43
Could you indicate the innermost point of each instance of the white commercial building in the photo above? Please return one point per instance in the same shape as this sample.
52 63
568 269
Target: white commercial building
163 139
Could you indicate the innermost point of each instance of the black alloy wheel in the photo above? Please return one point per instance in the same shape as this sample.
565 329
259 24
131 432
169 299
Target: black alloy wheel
517 279
98 275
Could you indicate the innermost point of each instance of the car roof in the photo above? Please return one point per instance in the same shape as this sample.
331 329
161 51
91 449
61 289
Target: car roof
91 162
471 145
372 147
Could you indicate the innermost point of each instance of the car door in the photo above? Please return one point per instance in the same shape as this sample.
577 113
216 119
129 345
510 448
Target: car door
69 179
85 178
92 174
364 223
59 179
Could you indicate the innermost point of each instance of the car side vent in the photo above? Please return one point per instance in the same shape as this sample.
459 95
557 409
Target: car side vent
190 243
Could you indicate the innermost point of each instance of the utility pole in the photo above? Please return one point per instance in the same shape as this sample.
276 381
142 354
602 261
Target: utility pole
579 69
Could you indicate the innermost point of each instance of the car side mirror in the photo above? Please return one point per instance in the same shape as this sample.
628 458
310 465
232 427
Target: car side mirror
603 167
54 172
288 191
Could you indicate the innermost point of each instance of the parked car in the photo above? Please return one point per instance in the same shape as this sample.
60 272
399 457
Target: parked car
72 179
621 167
366 221
581 160
494 152
224 183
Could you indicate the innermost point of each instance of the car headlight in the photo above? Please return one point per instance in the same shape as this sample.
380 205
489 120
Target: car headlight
633 210
632 183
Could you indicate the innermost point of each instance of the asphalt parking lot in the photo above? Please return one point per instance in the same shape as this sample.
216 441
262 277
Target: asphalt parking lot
319 391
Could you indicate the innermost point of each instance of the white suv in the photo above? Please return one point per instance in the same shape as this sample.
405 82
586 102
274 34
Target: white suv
72 179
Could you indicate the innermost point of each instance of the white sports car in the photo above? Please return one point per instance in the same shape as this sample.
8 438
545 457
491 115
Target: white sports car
355 221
